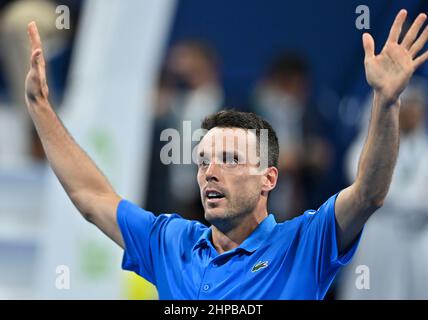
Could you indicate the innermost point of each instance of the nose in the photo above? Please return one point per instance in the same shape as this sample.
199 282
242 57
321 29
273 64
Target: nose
212 172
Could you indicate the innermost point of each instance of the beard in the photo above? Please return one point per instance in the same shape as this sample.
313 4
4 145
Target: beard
228 216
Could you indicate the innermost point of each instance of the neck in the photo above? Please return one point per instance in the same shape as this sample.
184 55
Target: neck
227 240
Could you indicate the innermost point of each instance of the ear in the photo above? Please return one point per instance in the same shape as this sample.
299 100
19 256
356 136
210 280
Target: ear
270 177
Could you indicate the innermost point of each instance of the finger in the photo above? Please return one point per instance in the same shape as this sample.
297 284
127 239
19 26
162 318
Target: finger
35 58
369 45
33 35
421 59
38 63
395 31
419 43
413 31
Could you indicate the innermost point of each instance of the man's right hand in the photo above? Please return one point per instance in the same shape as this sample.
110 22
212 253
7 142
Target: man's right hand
36 88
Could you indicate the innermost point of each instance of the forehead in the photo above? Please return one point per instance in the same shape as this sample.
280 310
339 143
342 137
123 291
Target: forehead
227 140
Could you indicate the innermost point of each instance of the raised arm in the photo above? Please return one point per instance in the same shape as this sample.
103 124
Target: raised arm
86 186
388 74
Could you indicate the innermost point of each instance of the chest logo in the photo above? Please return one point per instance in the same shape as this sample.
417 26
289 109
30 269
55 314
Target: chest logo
259 265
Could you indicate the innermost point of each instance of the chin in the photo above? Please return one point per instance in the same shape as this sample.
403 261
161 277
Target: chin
215 214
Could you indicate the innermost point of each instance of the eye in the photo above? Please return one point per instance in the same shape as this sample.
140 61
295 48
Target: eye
203 162
233 161
230 161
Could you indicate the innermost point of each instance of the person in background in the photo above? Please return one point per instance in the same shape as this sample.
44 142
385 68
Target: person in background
395 240
282 98
189 90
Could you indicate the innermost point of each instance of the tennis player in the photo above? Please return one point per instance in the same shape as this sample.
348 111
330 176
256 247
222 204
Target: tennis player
245 253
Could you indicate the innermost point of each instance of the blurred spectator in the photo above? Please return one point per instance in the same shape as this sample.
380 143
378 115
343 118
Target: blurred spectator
282 98
394 245
158 198
189 90
24 144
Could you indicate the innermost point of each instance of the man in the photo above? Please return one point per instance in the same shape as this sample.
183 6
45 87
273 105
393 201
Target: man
245 254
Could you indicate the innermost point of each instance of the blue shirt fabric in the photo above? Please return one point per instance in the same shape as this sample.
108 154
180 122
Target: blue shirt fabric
296 259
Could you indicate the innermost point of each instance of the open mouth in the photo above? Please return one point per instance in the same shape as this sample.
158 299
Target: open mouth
213 196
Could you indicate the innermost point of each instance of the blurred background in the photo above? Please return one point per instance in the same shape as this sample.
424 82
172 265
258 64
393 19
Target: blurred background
120 72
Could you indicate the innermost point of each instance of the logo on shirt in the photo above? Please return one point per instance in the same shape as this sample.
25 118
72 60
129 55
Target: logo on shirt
259 265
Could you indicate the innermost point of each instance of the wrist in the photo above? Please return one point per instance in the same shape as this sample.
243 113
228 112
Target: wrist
41 106
386 100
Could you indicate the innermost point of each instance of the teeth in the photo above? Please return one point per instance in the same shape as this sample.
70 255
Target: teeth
213 194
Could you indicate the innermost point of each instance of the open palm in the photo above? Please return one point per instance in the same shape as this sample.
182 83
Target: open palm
390 71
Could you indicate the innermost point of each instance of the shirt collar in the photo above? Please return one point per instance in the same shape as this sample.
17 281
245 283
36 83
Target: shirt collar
252 243
203 239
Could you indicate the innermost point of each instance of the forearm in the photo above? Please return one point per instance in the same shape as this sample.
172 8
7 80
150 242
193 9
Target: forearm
388 73
77 173
380 151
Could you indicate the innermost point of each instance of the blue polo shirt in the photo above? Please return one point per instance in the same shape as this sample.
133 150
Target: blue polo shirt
296 259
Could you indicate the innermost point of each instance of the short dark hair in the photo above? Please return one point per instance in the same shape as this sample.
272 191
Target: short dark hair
231 118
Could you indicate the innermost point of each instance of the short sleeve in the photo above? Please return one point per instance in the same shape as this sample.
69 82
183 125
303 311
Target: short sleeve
154 243
320 241
136 225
